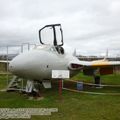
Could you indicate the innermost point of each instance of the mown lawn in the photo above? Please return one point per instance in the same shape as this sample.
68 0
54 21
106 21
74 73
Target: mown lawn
73 106
106 79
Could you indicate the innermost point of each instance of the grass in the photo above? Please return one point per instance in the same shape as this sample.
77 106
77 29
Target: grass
113 79
106 79
3 81
73 106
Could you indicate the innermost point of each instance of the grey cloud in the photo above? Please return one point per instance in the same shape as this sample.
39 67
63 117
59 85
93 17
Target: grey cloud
85 22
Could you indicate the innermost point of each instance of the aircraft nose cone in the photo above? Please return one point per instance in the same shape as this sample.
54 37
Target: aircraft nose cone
15 66
19 65
12 67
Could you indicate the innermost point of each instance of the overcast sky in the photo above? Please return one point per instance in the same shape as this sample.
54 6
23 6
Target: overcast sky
90 26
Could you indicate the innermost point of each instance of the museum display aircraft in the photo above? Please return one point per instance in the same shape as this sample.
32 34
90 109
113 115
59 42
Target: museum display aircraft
38 63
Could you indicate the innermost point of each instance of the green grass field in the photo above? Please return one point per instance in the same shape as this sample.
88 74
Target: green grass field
73 106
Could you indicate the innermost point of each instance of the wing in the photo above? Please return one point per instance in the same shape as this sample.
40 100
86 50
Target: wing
102 67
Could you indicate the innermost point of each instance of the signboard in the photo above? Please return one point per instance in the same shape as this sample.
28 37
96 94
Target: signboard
60 74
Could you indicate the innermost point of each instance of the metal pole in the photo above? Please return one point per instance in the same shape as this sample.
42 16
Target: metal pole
60 89
62 84
7 66
22 48
28 46
22 85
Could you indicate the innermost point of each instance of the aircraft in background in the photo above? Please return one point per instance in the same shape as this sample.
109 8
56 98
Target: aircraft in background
38 63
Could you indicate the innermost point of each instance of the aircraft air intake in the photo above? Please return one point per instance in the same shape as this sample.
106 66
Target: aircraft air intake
74 66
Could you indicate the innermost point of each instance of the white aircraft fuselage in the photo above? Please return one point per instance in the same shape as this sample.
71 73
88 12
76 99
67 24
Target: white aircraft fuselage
38 63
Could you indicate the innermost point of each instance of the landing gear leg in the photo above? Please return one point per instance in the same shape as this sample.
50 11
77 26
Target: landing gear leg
33 88
36 89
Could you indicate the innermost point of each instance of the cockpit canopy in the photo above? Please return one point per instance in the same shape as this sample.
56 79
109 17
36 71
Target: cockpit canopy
51 34
57 49
51 38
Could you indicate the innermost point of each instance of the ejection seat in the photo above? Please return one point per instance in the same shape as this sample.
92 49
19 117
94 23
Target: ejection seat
60 49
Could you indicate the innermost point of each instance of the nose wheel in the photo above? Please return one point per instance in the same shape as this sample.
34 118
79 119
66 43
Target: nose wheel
33 88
